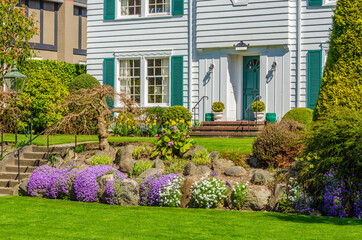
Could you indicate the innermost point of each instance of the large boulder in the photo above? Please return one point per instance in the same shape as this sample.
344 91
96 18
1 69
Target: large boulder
158 164
149 172
58 161
124 158
261 177
102 181
130 193
254 162
190 153
186 191
214 155
68 155
257 198
202 170
279 190
23 187
189 169
222 164
235 171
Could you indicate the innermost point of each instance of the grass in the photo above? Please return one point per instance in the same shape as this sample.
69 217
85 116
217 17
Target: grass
241 145
36 218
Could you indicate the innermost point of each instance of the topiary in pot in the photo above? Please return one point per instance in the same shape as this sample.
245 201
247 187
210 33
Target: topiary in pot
302 115
176 112
258 109
218 108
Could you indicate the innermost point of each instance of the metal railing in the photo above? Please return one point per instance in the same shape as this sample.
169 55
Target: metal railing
194 108
249 111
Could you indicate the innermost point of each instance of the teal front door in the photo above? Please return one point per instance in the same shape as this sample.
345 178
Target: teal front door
251 83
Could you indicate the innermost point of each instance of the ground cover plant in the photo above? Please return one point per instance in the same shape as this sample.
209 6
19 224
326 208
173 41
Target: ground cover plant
101 160
207 193
201 157
141 166
239 195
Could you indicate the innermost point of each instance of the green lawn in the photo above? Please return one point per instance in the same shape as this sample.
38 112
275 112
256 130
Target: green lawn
35 218
242 145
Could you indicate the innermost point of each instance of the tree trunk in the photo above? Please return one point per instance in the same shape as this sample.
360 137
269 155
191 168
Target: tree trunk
102 134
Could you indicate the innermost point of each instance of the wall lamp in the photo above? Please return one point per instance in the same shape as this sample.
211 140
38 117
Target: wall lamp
211 68
274 66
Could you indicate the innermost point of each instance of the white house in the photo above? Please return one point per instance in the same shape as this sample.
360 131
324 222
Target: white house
174 52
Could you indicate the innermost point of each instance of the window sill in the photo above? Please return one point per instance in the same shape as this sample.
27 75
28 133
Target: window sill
150 16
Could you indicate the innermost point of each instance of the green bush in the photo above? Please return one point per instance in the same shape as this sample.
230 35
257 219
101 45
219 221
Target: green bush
65 72
176 112
83 81
101 160
155 113
175 166
80 149
334 142
258 106
342 79
218 107
142 151
302 115
141 166
201 157
278 144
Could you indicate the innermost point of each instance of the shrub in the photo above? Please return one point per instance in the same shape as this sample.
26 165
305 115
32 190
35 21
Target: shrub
239 194
61 183
155 113
174 142
161 190
80 149
141 151
126 125
258 106
83 81
40 181
278 144
201 157
101 160
302 115
85 184
341 83
141 166
208 193
175 166
218 107
176 113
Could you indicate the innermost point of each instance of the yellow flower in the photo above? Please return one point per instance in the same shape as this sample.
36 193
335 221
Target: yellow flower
173 123
150 126
105 121
154 124
121 116
25 124
301 159
129 126
177 120
32 131
311 166
189 123
308 158
182 121
154 120
167 122
133 127
136 122
200 123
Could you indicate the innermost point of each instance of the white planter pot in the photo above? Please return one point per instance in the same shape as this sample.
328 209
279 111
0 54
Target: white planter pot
259 116
218 116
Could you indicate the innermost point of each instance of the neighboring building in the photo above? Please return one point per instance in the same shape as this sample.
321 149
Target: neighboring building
228 50
62 29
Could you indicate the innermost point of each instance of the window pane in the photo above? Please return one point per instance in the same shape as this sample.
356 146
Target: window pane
159 6
130 7
158 80
130 82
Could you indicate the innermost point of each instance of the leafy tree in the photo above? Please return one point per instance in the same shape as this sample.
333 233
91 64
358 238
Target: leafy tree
342 80
16 31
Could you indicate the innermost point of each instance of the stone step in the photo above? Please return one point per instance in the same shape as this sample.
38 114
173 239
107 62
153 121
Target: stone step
228 128
233 123
35 155
30 162
44 149
12 176
6 191
8 183
23 169
223 134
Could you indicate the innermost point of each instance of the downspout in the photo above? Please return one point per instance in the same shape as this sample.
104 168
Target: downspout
189 54
299 33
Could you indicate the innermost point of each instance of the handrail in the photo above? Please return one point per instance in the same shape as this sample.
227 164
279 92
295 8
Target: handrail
248 110
193 109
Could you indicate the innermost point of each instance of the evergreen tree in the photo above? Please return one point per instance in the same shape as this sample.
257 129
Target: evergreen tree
342 79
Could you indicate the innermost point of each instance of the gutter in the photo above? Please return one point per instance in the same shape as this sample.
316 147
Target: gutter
299 39
190 54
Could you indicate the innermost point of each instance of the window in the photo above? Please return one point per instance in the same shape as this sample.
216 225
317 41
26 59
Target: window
130 7
159 6
130 79
158 80
145 80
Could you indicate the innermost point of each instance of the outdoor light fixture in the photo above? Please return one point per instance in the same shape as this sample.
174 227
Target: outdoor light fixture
241 46
211 68
14 81
274 66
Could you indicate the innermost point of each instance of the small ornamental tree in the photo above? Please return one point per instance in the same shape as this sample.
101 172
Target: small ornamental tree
16 31
342 80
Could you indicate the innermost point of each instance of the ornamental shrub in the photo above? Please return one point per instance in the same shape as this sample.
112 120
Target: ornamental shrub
239 195
161 190
258 106
61 183
143 151
201 157
176 113
278 144
101 160
302 115
86 188
141 166
174 142
218 107
342 79
83 81
40 180
208 193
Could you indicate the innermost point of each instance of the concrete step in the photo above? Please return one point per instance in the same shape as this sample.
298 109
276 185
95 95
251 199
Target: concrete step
12 175
228 128
44 149
6 191
232 123
223 134
30 162
35 155
23 169
8 183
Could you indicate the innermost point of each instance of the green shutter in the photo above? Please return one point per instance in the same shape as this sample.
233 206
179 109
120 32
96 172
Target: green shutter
177 79
108 76
315 2
109 9
314 76
177 7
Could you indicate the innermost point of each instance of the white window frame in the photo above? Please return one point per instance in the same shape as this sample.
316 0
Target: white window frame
329 2
144 80
144 11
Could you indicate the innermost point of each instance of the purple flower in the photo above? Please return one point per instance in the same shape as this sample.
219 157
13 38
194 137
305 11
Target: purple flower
40 181
213 174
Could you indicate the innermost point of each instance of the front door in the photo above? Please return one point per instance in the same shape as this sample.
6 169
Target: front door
251 83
